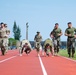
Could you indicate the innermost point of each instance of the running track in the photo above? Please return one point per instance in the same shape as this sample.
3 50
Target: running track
13 64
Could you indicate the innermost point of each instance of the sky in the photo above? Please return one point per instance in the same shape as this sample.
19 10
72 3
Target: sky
41 16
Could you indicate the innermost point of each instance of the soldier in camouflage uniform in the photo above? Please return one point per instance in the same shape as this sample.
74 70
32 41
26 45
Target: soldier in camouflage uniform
6 37
55 35
25 46
70 33
3 38
0 37
38 39
48 47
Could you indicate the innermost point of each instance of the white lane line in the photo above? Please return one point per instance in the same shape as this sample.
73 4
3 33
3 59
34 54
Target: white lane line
42 66
7 59
68 58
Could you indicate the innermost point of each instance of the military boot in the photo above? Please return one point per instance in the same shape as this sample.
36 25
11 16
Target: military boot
72 55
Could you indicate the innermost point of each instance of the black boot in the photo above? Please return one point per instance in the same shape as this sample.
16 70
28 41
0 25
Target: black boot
3 50
69 55
72 55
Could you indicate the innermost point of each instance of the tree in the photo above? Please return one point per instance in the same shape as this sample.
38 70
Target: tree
14 27
12 42
16 31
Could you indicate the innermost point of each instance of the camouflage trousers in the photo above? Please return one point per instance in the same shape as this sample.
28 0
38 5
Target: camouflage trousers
56 44
4 45
71 45
23 49
37 46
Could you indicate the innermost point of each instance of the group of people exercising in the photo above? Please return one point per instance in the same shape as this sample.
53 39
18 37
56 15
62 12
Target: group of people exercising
50 45
53 45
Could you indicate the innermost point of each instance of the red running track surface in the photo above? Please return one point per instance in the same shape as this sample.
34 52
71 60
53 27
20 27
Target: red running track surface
13 64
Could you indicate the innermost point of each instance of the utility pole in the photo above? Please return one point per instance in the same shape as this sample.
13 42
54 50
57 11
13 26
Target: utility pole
27 31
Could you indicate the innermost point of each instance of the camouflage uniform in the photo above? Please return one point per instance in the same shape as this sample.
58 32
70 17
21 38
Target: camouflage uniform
1 42
26 48
38 39
4 40
22 46
56 39
48 41
71 40
48 46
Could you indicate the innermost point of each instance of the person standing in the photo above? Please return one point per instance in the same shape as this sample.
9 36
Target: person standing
38 39
1 39
55 35
4 35
70 32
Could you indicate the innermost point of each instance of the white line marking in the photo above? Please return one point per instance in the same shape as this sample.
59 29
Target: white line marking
68 58
42 66
7 59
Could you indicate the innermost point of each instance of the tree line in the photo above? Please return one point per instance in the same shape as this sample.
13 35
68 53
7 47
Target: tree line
16 34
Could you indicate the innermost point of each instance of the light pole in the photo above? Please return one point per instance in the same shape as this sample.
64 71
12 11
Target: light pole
27 31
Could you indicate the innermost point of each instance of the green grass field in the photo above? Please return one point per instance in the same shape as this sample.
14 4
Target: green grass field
65 54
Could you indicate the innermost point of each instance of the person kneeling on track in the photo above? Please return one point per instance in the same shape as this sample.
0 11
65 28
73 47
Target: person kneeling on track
26 49
48 47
